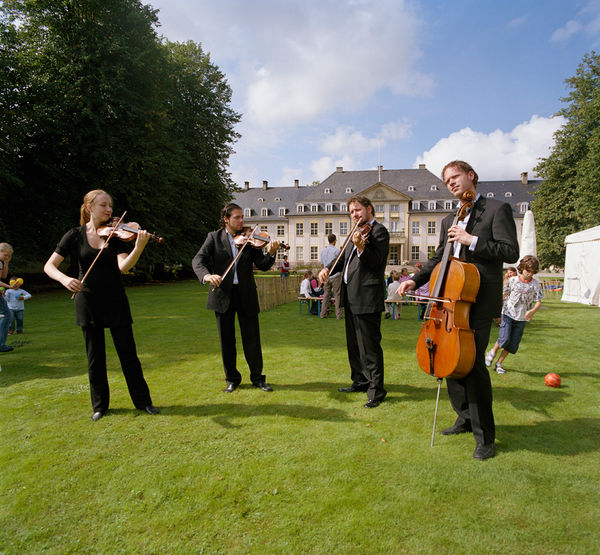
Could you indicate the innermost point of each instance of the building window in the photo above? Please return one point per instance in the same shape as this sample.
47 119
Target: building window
349 190
430 251
264 211
314 207
280 230
415 205
415 228
299 254
343 207
411 187
329 207
299 230
282 211
277 199
379 208
430 228
524 207
434 188
280 254
327 191
314 253
447 205
432 205
415 252
264 229
490 195
393 257
300 208
394 208
343 228
260 199
508 194
247 212
394 225
328 228
314 228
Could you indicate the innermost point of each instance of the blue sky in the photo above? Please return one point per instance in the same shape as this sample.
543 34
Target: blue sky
357 83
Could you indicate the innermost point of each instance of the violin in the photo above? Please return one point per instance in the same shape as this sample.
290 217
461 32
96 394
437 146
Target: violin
125 232
255 238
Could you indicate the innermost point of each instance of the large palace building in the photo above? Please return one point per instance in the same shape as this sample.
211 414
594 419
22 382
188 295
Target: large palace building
410 203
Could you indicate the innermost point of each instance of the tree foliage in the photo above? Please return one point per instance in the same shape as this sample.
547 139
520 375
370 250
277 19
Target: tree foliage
568 200
91 98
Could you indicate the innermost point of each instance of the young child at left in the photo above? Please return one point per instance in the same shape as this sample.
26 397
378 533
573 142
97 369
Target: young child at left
15 298
6 252
523 298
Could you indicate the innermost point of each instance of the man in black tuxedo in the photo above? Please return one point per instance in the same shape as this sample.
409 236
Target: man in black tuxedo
363 291
235 293
486 238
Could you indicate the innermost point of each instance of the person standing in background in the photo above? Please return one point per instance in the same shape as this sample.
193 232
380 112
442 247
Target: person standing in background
333 286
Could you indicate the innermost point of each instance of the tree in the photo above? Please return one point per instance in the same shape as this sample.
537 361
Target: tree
568 200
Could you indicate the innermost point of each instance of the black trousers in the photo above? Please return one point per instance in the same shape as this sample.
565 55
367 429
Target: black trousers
95 345
250 331
363 340
471 396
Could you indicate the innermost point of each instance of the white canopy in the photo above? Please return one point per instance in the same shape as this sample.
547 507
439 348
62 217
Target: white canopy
582 267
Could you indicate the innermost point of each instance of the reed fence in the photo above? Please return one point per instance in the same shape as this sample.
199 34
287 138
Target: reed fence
274 290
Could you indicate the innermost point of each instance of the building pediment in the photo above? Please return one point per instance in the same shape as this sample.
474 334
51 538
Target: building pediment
382 192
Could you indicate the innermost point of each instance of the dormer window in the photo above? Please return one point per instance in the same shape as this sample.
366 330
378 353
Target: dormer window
349 190
490 195
508 194
314 207
260 199
447 205
415 205
264 211
432 205
342 208
247 212
327 191
282 211
329 207
300 208
411 188
523 207
277 199
434 187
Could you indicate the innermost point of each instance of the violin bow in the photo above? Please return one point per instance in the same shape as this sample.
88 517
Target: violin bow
344 245
238 254
116 226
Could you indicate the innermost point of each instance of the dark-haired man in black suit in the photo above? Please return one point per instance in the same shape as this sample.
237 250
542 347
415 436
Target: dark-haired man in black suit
363 292
486 238
235 294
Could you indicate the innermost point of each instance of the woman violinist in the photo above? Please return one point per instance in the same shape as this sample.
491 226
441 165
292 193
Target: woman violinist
100 299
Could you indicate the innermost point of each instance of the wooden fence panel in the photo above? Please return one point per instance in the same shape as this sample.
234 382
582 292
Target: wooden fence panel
275 291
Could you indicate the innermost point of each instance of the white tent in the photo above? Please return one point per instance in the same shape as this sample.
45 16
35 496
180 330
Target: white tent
582 267
528 240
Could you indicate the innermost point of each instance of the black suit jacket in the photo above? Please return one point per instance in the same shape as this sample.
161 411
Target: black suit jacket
365 290
213 258
492 222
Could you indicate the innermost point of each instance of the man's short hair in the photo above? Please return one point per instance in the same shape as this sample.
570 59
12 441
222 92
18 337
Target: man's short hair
465 166
227 211
360 199
331 238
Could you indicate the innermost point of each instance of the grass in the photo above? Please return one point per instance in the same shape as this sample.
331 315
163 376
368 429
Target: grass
303 469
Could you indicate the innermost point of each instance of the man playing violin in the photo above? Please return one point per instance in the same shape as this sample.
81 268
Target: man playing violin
233 291
486 238
362 264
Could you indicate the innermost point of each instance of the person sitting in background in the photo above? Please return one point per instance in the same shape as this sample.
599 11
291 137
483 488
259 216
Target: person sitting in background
306 290
15 298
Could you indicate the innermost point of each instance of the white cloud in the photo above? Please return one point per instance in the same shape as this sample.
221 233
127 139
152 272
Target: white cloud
587 20
325 166
516 22
496 155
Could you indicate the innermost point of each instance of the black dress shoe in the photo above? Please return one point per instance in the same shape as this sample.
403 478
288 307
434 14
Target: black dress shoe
352 389
97 415
6 348
372 404
231 387
264 386
151 409
456 429
483 452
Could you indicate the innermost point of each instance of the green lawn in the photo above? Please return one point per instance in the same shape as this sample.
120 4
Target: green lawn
305 468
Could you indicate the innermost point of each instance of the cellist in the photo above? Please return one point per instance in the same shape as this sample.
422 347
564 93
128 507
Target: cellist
487 237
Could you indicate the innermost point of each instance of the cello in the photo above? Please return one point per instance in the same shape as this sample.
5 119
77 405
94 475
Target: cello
446 344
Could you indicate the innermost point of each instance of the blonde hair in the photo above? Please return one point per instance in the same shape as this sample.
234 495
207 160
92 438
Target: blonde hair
90 198
5 247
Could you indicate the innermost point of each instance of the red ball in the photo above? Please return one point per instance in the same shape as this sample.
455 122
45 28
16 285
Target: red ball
552 379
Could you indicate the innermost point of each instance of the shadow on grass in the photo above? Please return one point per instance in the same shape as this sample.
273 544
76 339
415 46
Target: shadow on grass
555 437
224 413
